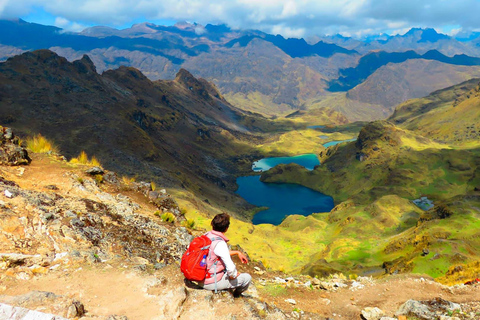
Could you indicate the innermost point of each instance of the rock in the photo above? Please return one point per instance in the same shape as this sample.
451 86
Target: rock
76 309
10 153
291 301
18 313
140 261
171 304
46 302
111 177
115 317
427 310
17 259
8 134
415 308
94 171
372 313
8 194
152 195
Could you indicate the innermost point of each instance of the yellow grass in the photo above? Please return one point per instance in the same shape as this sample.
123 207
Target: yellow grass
83 159
40 144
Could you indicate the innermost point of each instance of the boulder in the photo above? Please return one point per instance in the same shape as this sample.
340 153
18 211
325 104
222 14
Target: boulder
18 313
11 154
372 313
427 310
94 171
46 301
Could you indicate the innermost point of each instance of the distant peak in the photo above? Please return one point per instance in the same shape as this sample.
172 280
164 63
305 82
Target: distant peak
184 25
85 65
183 73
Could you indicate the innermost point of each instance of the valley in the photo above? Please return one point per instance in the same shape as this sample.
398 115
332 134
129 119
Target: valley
321 153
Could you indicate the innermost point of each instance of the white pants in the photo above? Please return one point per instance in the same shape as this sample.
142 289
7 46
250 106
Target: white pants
240 283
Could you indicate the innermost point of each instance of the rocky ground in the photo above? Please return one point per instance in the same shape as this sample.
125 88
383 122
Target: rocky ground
80 243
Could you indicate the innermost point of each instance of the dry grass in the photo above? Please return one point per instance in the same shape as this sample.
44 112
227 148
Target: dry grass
40 144
83 159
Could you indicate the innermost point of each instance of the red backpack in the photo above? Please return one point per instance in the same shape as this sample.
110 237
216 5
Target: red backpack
194 260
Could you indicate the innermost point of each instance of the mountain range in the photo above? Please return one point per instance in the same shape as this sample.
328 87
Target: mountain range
259 72
181 132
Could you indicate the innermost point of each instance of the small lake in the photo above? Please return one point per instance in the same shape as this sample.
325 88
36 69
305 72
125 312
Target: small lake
332 143
282 199
309 161
316 127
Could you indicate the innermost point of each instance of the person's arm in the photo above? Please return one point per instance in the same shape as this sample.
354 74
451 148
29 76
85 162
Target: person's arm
221 250
240 255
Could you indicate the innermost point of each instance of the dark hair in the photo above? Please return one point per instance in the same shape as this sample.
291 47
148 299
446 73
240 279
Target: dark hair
221 222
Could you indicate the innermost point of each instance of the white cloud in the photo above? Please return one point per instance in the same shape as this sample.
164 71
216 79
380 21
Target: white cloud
67 25
200 30
288 32
311 16
454 32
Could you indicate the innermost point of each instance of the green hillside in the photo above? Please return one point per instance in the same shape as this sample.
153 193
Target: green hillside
376 227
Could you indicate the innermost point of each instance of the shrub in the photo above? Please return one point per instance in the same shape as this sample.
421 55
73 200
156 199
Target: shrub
153 186
189 223
98 178
83 159
126 180
168 217
40 144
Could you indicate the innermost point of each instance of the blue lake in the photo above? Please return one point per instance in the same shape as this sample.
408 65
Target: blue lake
282 199
316 127
309 161
332 143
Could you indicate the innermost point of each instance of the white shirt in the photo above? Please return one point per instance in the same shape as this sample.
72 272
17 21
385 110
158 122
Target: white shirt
221 250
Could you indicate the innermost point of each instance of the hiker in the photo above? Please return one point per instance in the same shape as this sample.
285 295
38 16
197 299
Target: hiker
226 273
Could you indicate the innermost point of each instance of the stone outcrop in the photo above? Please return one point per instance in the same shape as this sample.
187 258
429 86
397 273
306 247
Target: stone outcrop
11 153
428 310
20 307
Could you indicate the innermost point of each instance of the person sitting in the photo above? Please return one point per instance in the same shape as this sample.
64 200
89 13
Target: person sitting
222 273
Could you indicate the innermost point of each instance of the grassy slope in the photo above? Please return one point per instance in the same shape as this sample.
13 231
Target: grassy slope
375 221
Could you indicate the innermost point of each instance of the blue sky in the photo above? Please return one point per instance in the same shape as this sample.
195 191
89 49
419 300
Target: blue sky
300 18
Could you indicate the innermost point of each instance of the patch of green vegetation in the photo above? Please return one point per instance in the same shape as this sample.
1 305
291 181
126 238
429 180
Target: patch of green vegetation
168 217
273 290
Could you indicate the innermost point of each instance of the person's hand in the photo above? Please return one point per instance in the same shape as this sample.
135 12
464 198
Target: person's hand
242 257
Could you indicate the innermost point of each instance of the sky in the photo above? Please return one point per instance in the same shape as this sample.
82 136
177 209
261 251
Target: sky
301 18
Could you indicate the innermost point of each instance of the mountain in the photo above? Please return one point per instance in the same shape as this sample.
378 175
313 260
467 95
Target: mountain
455 111
417 39
368 64
393 84
179 131
257 72
295 48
